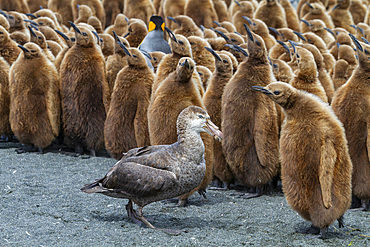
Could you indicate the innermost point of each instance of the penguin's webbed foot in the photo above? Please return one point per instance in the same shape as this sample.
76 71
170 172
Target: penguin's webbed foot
341 221
26 149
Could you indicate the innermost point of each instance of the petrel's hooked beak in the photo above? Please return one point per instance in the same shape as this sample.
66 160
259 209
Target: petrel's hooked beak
213 130
262 89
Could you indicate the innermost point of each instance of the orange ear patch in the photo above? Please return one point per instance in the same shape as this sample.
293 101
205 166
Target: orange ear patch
151 26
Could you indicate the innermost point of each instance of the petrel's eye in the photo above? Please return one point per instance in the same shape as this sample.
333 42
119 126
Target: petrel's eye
200 116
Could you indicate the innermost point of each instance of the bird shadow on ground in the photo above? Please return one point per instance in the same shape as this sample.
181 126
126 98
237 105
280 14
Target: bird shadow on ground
332 233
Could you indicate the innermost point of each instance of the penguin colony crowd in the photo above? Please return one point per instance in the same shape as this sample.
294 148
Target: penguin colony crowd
288 87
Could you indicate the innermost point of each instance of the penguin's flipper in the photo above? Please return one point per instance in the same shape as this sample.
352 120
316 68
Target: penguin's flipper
326 170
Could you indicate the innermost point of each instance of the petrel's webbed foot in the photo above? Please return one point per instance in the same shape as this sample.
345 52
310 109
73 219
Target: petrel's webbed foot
131 213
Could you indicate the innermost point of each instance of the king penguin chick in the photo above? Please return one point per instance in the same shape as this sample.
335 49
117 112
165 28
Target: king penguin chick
69 43
318 27
84 12
112 8
126 126
342 16
153 173
120 26
185 26
316 184
173 8
156 59
63 7
141 9
317 11
180 47
306 75
351 104
200 55
34 93
347 53
260 28
202 12
116 62
221 10
8 48
38 38
238 19
249 121
282 71
212 102
136 33
340 73
96 7
291 15
95 23
5 130
272 13
205 74
175 93
84 93
358 11
17 5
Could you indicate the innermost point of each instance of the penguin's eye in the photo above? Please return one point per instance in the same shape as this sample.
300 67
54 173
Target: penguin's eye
41 23
367 52
224 61
233 40
73 39
200 73
133 55
84 34
258 43
33 51
154 58
39 37
192 43
1 33
180 42
277 92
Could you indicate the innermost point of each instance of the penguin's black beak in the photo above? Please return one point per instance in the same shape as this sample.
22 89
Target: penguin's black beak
171 34
32 22
213 53
300 35
75 27
127 34
116 36
250 35
357 43
283 45
309 5
31 15
222 34
305 22
336 6
262 89
32 32
124 48
23 48
186 63
172 19
275 31
62 34
247 19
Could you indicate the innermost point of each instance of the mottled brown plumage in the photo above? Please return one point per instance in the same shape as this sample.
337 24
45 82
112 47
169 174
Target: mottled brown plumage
291 15
59 58
174 94
34 93
126 126
202 12
221 10
316 183
84 92
212 102
8 48
5 130
249 120
38 38
153 173
351 104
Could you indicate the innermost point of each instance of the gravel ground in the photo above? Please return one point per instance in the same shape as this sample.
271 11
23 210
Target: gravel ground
41 205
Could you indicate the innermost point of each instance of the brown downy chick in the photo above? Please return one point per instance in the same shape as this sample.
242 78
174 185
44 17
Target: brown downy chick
84 12
126 126
342 39
95 23
317 11
306 75
69 43
107 44
120 26
175 93
116 62
283 35
358 11
8 48
185 26
316 183
238 19
347 53
4 23
260 28
234 61
180 48
342 16
173 8
318 27
228 25
112 8
63 7
340 73
49 14
35 5
202 12
351 104
54 47
84 93
205 74
136 33
291 15
272 13
212 102
200 55
38 38
303 8
96 7
34 93
249 121
315 40
234 6
156 59
17 23
141 9
16 5
282 71
5 130
323 75
221 10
